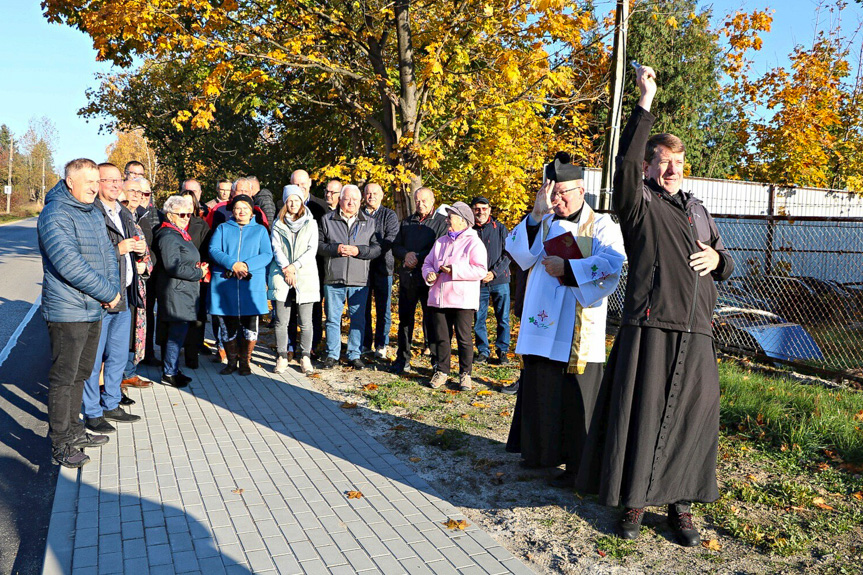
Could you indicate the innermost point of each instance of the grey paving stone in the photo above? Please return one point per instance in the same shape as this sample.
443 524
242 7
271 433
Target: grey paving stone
159 554
443 567
303 551
330 555
185 562
155 535
251 541
136 565
85 557
211 565
180 541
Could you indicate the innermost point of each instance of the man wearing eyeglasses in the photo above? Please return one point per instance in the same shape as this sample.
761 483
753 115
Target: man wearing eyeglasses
574 257
100 408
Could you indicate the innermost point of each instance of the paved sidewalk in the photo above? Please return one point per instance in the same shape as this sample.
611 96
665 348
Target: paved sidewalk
249 475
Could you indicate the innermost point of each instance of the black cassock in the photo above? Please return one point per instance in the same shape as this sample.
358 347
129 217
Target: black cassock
654 437
553 412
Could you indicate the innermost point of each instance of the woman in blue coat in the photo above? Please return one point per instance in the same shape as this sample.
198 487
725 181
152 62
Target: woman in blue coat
240 252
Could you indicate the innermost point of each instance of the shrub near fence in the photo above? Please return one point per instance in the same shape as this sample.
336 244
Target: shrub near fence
796 294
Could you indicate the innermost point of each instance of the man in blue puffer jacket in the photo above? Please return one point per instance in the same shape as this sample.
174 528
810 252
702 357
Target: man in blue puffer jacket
81 280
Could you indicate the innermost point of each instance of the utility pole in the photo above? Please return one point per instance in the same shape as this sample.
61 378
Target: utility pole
618 72
9 177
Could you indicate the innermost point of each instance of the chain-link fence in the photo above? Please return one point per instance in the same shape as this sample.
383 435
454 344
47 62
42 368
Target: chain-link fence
796 294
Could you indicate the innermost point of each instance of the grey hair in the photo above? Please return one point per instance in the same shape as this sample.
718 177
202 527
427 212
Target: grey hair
174 202
236 183
349 188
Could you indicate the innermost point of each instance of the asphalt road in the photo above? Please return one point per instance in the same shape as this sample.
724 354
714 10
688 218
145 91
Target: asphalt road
27 477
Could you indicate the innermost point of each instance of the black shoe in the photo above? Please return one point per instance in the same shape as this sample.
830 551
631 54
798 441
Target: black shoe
498 359
126 400
680 519
330 362
175 380
89 440
512 388
481 358
565 480
99 425
525 464
630 523
398 367
357 363
69 456
183 378
119 415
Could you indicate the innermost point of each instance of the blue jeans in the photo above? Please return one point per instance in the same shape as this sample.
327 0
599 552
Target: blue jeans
357 298
499 295
113 350
173 344
381 289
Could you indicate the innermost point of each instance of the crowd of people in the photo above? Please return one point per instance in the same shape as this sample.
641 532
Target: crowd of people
123 276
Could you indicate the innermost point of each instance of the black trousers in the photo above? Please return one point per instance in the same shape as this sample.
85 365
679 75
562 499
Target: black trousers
149 347
444 321
409 297
73 354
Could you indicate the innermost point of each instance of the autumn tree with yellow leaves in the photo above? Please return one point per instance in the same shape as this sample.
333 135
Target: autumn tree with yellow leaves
476 80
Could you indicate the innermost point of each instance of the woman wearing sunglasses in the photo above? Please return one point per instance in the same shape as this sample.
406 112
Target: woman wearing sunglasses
179 271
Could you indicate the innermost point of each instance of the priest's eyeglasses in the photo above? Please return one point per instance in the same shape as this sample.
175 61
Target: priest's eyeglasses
560 194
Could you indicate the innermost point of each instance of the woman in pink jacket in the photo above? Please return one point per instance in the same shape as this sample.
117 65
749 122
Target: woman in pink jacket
453 269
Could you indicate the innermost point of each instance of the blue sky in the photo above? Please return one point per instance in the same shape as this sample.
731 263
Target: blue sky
46 68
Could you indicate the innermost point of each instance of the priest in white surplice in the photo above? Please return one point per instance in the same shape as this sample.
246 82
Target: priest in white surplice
562 334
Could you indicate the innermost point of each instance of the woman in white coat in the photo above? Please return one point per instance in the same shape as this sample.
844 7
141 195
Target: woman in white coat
293 276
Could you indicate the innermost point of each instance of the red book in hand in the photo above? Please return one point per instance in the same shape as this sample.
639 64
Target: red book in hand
563 246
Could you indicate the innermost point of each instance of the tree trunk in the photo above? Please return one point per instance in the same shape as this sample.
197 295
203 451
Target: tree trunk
408 108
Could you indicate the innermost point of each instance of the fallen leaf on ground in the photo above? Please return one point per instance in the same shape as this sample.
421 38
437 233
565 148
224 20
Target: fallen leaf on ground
314 375
820 503
348 405
370 387
713 545
415 459
601 552
398 427
464 416
858 495
752 478
452 391
479 404
859 415
238 491
484 392
453 524
504 413
440 431
354 495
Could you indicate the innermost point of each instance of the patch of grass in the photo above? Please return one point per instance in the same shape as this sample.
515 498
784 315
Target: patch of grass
387 395
784 414
615 546
448 440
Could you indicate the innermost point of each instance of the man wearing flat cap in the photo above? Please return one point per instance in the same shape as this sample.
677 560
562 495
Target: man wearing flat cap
494 286
574 257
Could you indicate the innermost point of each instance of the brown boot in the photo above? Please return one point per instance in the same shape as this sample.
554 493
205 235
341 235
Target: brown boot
246 348
232 351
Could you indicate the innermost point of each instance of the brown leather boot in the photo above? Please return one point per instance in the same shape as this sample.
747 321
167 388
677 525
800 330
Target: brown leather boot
232 351
246 348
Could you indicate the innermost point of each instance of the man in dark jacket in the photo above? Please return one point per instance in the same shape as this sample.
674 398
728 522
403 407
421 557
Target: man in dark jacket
263 199
81 279
194 187
495 285
100 408
417 234
655 439
381 272
348 242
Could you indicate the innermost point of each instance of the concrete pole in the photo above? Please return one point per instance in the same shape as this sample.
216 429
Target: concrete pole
618 72
9 177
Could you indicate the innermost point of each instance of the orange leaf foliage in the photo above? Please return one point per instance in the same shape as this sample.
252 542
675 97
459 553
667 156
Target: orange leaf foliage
354 494
453 524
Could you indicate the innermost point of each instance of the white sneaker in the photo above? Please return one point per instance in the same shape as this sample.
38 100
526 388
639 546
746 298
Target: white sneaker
382 353
281 365
306 364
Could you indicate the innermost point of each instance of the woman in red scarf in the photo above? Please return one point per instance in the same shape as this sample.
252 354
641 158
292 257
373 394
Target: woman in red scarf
177 283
